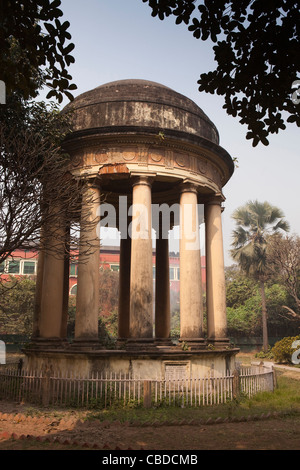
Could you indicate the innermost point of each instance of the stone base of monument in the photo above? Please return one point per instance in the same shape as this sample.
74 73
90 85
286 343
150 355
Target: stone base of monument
192 344
85 344
163 342
152 363
42 344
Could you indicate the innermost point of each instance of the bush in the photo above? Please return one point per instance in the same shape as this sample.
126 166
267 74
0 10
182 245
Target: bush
16 305
282 350
265 355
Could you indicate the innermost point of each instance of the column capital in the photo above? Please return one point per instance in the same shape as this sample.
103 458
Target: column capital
93 182
145 179
188 186
216 199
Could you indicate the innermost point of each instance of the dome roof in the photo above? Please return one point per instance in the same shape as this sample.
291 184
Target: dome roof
140 104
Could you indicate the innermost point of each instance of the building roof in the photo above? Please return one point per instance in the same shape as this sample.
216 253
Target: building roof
140 104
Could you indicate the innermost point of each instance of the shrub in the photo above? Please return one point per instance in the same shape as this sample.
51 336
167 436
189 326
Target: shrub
282 350
265 355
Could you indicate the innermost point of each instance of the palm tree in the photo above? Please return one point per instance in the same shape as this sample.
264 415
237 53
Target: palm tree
254 222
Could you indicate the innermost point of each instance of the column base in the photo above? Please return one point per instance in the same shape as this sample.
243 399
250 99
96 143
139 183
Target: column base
140 344
163 342
48 343
121 343
218 343
192 344
86 344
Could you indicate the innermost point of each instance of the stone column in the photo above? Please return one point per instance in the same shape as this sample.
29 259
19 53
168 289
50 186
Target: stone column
39 287
87 301
53 280
215 274
124 289
191 302
141 279
64 325
38 296
162 290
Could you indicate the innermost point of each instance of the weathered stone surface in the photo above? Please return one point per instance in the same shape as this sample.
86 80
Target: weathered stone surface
143 123
141 103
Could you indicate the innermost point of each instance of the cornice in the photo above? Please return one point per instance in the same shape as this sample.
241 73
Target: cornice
84 143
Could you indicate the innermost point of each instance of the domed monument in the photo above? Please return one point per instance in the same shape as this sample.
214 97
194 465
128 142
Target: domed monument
150 157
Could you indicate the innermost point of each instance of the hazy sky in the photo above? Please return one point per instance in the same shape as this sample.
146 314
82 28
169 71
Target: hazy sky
119 39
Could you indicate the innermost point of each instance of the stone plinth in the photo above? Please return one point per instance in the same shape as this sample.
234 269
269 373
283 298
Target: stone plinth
144 364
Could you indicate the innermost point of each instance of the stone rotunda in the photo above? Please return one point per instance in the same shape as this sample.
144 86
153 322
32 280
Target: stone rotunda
151 158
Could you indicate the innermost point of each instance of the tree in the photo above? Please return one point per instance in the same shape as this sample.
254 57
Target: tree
243 301
257 49
108 292
34 48
239 290
16 306
254 222
36 186
108 307
284 260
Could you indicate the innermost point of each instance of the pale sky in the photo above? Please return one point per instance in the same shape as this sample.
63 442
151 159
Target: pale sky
119 39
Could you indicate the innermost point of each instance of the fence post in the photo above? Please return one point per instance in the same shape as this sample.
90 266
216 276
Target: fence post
147 394
46 388
236 384
274 379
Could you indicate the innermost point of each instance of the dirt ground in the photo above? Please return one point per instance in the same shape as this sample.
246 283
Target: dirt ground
271 434
70 430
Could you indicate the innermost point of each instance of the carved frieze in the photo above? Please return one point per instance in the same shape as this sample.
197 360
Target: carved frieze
143 156
171 159
77 160
99 156
114 154
181 159
156 155
202 166
129 154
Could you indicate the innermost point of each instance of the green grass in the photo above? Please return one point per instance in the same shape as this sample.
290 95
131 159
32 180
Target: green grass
285 399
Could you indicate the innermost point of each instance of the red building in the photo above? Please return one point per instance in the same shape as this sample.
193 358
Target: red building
24 263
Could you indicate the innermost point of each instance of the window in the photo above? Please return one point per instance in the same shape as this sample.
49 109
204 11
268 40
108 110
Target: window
73 269
29 267
2 268
73 290
172 274
14 267
114 267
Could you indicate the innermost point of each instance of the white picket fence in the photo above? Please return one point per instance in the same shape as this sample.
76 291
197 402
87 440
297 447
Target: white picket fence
104 390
